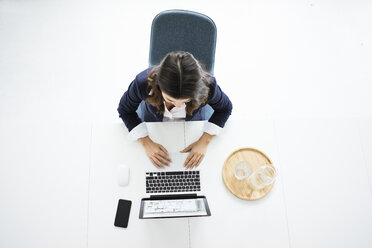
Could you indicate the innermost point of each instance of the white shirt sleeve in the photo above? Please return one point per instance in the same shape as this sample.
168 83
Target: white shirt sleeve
212 128
139 131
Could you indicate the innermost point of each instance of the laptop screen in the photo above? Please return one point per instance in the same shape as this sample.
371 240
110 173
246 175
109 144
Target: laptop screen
166 208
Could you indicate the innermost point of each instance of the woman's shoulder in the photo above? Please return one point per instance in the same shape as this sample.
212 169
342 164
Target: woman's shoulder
211 81
140 82
142 76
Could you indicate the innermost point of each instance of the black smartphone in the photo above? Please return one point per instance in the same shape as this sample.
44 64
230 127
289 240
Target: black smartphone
122 213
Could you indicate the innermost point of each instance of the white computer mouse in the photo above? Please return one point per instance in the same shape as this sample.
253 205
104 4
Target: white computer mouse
123 175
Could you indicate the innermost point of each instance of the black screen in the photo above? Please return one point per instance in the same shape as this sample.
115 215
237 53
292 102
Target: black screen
122 213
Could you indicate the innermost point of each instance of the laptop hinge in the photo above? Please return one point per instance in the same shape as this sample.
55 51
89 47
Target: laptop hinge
181 196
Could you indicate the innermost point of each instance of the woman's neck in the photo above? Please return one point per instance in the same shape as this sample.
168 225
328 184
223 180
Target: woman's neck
169 105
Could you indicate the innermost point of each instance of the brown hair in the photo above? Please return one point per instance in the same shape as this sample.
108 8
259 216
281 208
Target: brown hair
180 76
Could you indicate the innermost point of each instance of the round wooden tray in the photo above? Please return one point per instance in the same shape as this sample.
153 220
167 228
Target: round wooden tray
241 188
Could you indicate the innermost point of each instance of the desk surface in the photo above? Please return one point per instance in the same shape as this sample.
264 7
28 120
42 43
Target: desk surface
232 219
44 184
328 198
66 176
235 221
110 148
322 197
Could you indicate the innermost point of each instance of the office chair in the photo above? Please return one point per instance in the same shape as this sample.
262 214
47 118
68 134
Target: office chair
173 30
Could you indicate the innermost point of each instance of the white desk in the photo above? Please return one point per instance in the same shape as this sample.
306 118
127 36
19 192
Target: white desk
323 191
233 221
326 184
44 184
365 132
110 148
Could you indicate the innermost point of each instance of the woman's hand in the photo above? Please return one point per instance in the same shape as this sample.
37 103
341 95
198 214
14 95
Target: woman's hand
197 150
158 155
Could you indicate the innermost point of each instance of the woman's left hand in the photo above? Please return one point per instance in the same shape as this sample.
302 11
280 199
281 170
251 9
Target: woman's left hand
197 150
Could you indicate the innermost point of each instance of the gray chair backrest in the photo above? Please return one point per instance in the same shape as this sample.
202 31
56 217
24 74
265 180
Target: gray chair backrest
174 30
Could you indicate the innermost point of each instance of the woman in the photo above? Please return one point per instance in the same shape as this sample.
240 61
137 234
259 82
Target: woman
175 90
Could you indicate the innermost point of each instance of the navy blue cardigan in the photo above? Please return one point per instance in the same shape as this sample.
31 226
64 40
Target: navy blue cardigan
136 94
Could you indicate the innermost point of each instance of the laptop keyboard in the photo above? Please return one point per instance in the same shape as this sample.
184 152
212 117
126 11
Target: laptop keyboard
172 181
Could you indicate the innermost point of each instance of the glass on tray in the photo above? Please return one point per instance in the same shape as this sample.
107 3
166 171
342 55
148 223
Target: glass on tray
264 176
243 169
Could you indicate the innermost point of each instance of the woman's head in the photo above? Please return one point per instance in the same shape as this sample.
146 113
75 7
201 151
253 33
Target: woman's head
178 79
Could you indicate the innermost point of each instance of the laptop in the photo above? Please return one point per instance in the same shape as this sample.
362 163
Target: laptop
173 192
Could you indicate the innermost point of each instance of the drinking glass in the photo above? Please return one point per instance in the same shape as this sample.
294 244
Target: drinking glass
262 177
243 169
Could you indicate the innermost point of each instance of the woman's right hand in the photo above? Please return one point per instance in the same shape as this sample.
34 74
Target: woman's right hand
158 155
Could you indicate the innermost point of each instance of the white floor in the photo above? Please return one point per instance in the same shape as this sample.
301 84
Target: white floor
303 64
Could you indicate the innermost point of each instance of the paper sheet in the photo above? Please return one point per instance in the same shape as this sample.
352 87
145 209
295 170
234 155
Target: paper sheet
178 159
